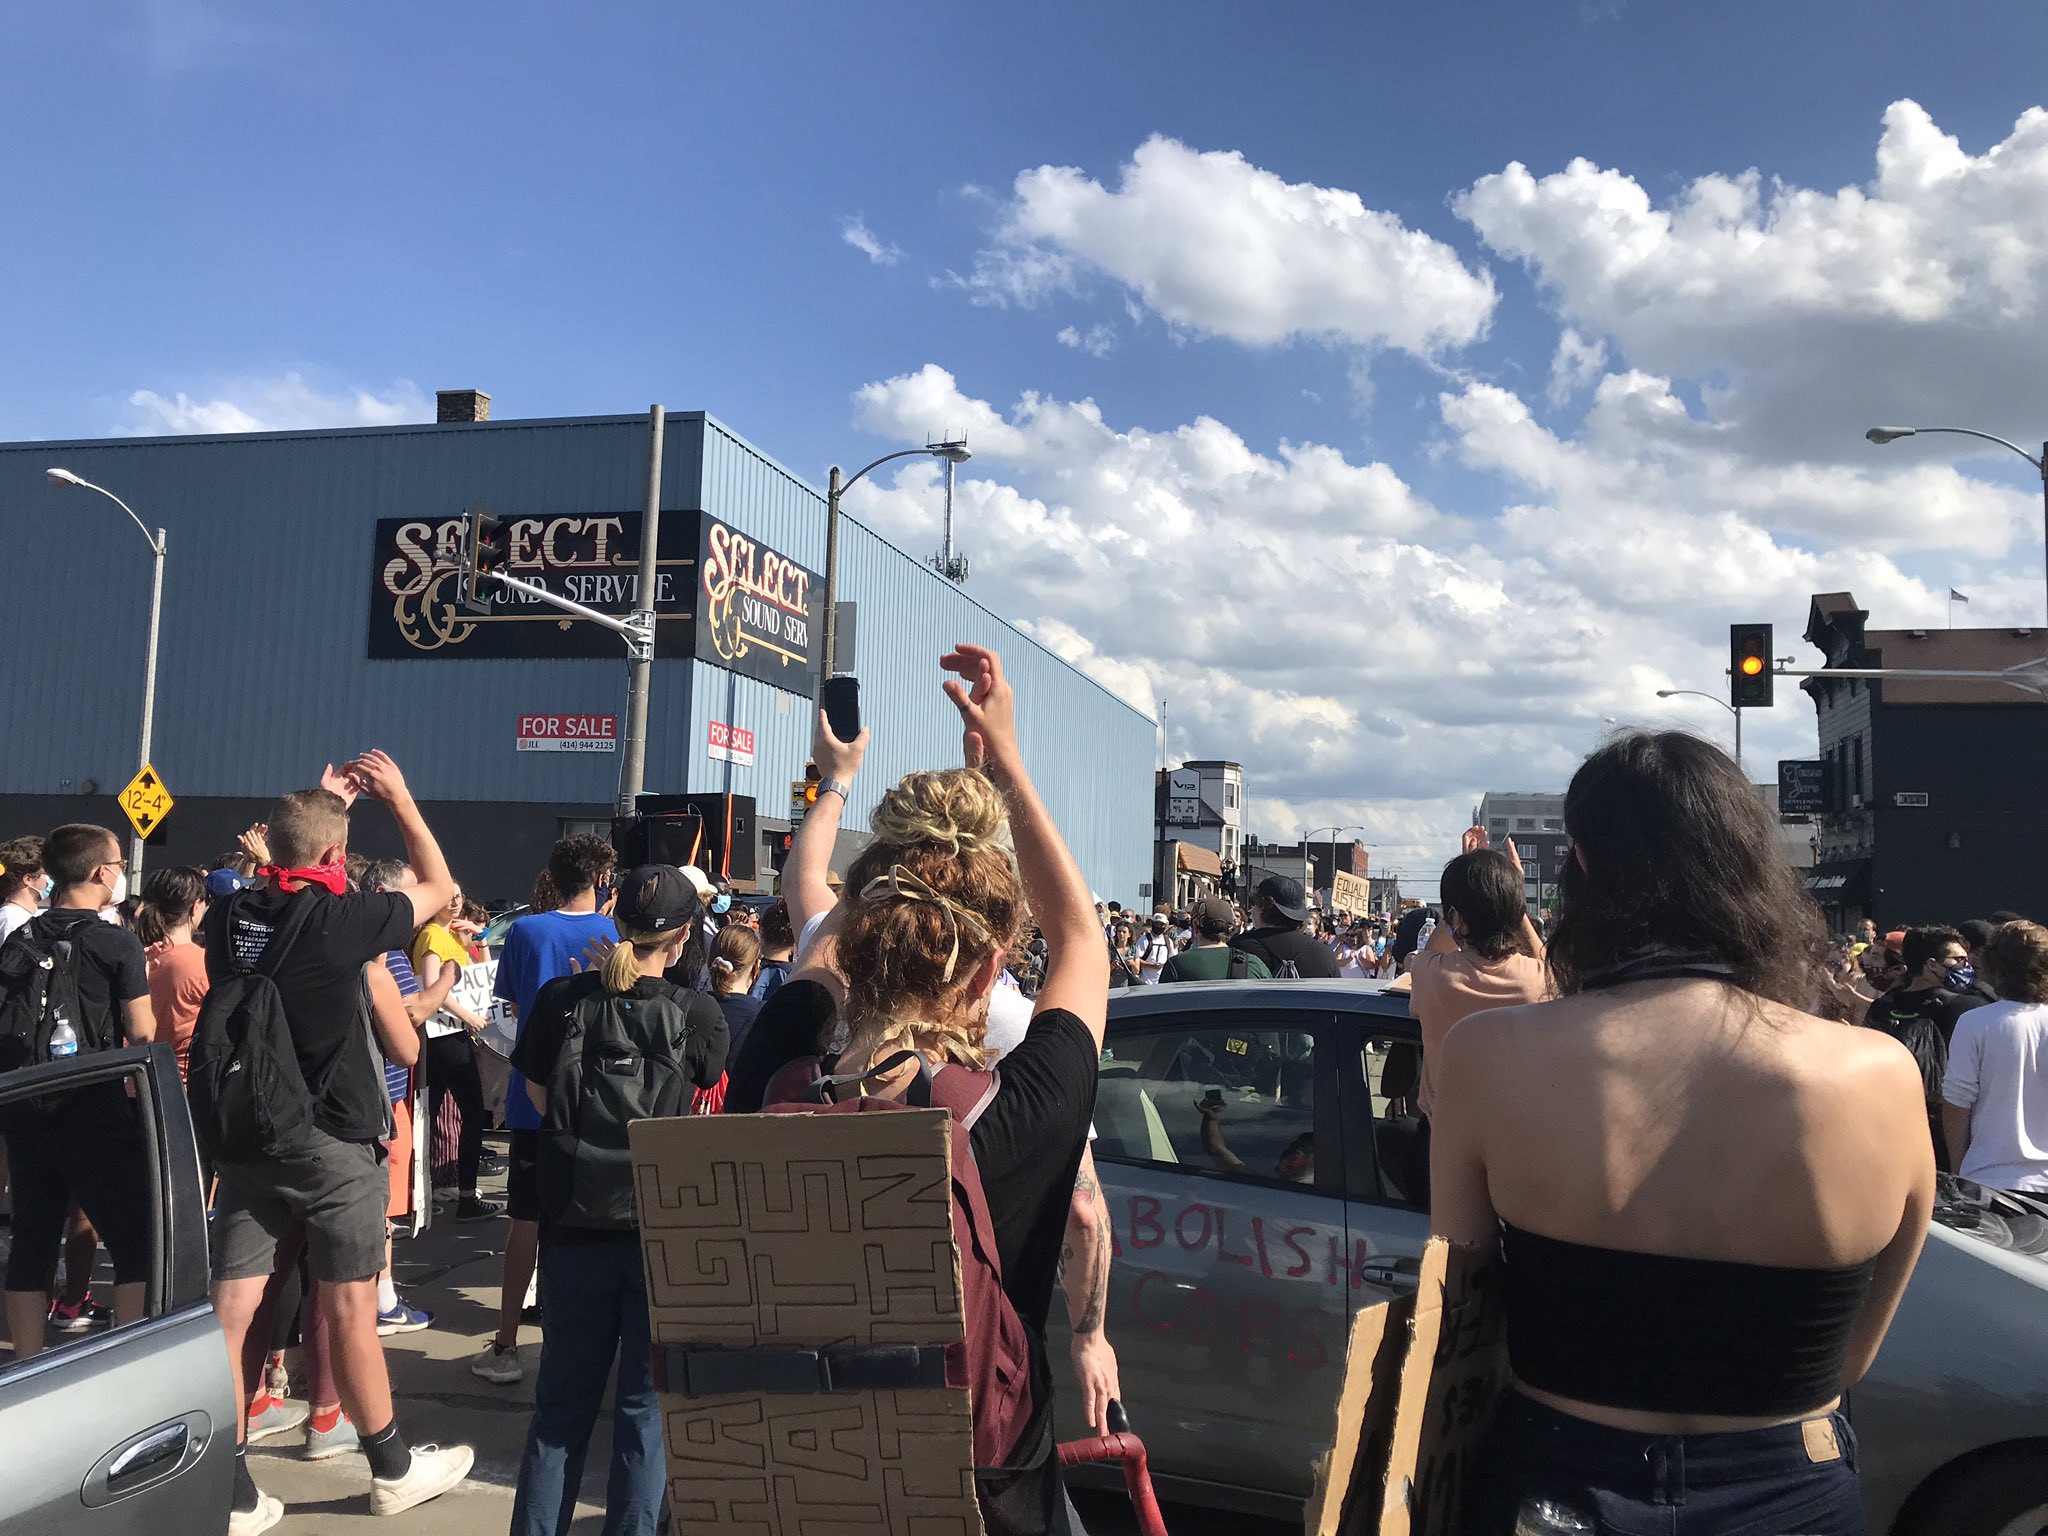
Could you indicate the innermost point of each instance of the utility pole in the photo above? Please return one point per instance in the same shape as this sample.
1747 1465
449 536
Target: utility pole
639 635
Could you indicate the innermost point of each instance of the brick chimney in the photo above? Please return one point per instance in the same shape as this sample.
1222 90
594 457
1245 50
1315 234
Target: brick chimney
461 405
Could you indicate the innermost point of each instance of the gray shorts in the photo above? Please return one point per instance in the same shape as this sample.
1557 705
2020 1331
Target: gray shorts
338 1189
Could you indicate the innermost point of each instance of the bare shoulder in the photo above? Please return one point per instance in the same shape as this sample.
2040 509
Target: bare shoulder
1855 1068
1495 1040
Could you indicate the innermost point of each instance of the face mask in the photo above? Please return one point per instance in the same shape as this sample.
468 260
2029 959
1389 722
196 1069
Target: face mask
119 892
47 886
1961 978
604 894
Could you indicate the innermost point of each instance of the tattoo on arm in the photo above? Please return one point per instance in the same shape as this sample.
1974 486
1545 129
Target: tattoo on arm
1097 1301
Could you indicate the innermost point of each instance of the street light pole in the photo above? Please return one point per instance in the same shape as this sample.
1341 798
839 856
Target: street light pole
640 642
1672 693
953 450
158 543
1883 435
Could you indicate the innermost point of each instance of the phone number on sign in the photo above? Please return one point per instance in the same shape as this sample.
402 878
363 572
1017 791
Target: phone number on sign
567 744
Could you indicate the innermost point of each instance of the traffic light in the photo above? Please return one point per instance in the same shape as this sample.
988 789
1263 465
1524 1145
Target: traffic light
1749 666
811 777
483 551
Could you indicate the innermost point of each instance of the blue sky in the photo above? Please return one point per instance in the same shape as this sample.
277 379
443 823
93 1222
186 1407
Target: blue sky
584 209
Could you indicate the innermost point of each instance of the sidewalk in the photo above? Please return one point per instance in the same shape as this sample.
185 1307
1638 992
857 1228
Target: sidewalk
451 1271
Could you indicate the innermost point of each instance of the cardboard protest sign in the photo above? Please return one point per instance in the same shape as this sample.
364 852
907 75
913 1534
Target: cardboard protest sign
1397 1466
788 1234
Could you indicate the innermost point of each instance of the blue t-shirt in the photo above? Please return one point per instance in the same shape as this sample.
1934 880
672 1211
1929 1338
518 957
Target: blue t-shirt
538 948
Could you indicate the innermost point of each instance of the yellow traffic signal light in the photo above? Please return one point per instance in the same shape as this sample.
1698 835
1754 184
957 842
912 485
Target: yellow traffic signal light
811 778
1750 681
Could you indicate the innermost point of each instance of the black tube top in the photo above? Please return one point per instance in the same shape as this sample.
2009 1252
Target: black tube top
1657 1334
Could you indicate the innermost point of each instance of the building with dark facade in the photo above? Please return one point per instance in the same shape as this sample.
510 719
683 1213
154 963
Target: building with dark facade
309 614
1933 784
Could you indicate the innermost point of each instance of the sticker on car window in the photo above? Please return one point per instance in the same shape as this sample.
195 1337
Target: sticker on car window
1237 1047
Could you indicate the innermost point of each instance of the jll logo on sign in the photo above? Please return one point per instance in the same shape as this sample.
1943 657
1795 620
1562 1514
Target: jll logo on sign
731 744
568 733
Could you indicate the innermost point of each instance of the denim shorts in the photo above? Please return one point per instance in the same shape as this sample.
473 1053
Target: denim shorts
1545 1473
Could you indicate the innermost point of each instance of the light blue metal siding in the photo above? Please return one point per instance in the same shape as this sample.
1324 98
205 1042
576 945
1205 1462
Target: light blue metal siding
1090 753
264 675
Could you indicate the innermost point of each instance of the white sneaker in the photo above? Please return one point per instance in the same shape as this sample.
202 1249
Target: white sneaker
435 1469
268 1512
499 1365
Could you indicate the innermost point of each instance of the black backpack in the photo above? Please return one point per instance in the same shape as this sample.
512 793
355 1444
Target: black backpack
1240 966
39 989
621 1060
249 1098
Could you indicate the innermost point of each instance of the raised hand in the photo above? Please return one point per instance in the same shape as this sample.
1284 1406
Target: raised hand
378 776
837 759
340 782
1514 858
256 843
1473 840
988 708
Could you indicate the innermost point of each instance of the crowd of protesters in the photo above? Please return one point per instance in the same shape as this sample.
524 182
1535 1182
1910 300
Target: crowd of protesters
1672 1298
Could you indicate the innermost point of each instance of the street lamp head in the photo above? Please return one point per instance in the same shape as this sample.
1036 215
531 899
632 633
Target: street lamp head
956 452
1667 693
1883 435
63 477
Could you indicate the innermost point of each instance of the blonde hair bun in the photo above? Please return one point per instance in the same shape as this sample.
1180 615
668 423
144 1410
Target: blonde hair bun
957 809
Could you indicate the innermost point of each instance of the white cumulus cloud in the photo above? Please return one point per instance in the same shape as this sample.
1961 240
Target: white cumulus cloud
286 403
1221 247
1807 314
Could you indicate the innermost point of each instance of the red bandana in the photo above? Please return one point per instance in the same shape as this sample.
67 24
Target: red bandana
330 877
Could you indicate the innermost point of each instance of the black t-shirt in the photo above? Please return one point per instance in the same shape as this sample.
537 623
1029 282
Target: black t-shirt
1275 945
795 1022
1027 1147
325 998
541 1031
112 969
1937 1005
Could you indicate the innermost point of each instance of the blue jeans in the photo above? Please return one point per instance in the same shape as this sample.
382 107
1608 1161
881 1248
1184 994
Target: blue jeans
596 1308
1544 1473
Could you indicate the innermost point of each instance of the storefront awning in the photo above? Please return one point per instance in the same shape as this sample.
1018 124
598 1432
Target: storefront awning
1193 860
1843 883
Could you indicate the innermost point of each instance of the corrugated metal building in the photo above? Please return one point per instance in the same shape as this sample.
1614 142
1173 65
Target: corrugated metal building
303 621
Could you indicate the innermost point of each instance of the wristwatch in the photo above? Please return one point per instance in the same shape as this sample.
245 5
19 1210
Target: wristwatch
837 787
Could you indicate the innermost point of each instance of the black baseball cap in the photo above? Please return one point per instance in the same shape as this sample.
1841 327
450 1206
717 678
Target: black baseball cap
1217 916
655 898
1284 896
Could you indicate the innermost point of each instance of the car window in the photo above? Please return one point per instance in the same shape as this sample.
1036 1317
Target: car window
82 1245
1222 1097
1400 1136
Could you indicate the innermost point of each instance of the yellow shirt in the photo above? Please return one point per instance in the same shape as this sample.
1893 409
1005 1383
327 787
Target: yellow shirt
434 939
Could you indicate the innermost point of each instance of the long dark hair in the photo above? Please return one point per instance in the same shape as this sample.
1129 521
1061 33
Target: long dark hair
1483 888
168 897
1680 855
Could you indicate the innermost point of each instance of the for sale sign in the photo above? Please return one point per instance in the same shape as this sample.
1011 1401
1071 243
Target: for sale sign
568 733
731 744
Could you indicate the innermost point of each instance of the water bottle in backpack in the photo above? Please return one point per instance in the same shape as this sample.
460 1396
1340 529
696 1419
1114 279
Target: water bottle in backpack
63 1040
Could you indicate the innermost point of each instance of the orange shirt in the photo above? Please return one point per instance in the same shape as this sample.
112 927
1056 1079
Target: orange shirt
177 986
1450 987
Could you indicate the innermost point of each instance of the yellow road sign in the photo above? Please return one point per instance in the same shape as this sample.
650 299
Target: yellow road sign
146 800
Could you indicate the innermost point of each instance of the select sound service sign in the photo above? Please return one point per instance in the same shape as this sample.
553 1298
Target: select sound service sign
722 596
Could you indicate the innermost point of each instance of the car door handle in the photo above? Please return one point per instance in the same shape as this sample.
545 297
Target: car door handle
1398 1275
144 1458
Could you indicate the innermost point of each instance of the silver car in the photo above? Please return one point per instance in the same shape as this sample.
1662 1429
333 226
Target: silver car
126 1431
1265 1182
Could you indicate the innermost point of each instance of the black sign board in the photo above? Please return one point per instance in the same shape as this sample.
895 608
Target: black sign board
759 613
1802 787
723 597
